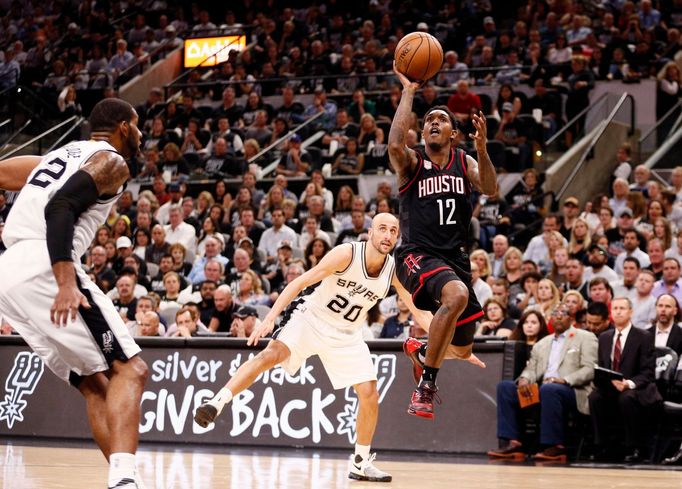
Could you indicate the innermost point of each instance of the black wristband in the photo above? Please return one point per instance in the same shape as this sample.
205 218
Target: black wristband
63 210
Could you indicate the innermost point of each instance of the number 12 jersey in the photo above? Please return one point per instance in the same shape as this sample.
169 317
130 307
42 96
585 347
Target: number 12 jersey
26 221
435 206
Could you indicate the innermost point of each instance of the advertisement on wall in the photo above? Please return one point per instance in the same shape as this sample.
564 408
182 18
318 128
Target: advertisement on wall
279 409
211 51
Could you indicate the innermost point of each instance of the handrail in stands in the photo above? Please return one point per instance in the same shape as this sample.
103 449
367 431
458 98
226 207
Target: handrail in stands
670 142
5 122
580 114
604 124
662 119
58 142
39 136
15 134
268 148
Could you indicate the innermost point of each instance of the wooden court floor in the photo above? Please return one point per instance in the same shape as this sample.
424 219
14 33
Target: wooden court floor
50 467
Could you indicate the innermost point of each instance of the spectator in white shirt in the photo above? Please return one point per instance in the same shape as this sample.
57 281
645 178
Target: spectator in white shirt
631 245
620 190
644 303
625 287
538 248
311 229
597 257
212 252
178 231
482 289
272 237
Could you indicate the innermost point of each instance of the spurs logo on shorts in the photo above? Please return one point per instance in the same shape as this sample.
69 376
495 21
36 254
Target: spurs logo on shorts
22 381
412 263
108 342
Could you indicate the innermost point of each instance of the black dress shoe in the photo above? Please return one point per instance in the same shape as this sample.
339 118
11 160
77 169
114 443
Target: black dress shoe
675 459
634 457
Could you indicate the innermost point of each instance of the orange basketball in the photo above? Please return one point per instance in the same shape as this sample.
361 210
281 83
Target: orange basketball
418 56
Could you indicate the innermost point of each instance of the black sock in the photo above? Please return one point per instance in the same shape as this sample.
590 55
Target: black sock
429 374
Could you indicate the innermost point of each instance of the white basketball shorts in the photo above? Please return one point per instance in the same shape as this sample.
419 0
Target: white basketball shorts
83 347
345 357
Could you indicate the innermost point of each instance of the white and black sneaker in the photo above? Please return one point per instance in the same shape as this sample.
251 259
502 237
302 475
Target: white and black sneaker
364 470
206 414
126 483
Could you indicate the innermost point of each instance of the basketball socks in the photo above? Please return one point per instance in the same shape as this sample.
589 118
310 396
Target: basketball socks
422 353
121 469
223 396
429 374
361 451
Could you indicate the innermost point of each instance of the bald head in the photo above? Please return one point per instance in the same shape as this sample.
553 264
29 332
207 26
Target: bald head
149 324
384 232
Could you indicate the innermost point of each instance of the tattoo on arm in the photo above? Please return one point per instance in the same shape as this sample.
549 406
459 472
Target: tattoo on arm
109 171
482 173
401 157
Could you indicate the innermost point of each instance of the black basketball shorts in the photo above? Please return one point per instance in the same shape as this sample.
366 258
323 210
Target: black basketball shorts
424 275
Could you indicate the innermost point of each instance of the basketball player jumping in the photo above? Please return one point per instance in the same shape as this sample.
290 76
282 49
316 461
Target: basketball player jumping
68 195
353 277
435 212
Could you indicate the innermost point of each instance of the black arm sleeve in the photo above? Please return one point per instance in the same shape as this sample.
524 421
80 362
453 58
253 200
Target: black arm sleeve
62 212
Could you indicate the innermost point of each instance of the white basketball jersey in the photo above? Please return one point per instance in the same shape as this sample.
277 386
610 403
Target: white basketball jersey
26 220
343 299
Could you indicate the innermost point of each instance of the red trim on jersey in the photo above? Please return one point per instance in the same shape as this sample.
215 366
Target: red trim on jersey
416 174
452 158
464 168
423 277
469 319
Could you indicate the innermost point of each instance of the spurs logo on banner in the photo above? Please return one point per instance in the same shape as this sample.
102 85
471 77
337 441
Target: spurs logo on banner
385 366
21 381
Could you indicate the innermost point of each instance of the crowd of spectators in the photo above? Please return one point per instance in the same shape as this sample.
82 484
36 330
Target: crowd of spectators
176 264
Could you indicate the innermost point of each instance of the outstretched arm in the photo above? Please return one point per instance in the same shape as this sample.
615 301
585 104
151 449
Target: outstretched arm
482 174
15 171
102 176
337 259
403 159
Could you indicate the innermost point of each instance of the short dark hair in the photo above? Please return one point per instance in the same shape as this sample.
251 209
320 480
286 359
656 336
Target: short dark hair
108 113
632 259
598 309
444 108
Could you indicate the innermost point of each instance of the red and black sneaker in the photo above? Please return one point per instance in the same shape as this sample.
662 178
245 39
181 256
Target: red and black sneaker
411 348
421 403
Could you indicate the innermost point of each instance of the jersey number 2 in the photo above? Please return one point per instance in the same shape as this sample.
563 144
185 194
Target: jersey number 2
55 169
449 205
339 303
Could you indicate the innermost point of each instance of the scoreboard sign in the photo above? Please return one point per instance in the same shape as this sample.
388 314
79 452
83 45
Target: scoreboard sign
211 51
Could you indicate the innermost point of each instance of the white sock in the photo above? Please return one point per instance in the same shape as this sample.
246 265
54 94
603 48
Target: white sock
121 466
362 451
223 396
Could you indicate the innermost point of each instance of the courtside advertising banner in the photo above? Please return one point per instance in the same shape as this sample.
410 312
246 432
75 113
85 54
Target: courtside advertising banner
279 409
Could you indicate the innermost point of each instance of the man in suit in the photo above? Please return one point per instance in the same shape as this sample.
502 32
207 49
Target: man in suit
563 365
666 330
630 351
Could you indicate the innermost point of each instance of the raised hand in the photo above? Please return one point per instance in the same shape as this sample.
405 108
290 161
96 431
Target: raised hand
407 83
480 137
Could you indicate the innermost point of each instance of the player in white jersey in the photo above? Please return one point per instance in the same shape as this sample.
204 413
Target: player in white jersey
66 197
353 277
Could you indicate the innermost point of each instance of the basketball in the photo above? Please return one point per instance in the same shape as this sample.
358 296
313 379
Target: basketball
418 56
